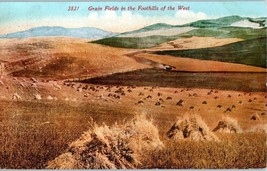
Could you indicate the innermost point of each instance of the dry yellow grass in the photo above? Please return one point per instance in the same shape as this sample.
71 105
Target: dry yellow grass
117 147
194 43
191 127
63 58
242 151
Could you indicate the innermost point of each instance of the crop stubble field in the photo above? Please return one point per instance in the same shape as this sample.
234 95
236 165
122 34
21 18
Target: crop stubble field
36 130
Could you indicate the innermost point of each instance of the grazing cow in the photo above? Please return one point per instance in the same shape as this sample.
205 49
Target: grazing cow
240 102
195 94
169 98
129 90
216 97
160 99
159 94
176 92
249 100
233 107
216 91
149 97
229 96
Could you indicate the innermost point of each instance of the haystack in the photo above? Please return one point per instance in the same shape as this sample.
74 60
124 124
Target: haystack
255 117
16 96
49 97
116 147
37 97
228 125
259 128
191 127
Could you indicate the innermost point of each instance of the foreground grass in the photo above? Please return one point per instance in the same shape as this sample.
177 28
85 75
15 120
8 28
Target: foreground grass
247 150
34 133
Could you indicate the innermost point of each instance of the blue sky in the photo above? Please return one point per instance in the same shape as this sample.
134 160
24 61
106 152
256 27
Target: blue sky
17 16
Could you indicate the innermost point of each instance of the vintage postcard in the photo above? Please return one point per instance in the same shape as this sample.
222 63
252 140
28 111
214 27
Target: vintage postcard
133 85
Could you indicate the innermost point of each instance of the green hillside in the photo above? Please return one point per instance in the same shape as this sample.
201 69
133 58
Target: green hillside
150 28
221 22
135 42
249 52
227 32
219 28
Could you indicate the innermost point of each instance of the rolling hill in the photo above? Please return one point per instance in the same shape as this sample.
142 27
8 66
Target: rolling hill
156 34
84 32
229 21
249 52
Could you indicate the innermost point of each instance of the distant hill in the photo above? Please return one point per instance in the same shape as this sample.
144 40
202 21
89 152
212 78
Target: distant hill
156 34
84 32
150 28
229 21
220 22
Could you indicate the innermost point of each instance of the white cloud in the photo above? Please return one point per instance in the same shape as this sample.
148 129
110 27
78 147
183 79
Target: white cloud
184 17
107 20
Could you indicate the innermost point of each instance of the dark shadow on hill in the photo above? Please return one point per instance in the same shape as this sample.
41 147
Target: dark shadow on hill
254 82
